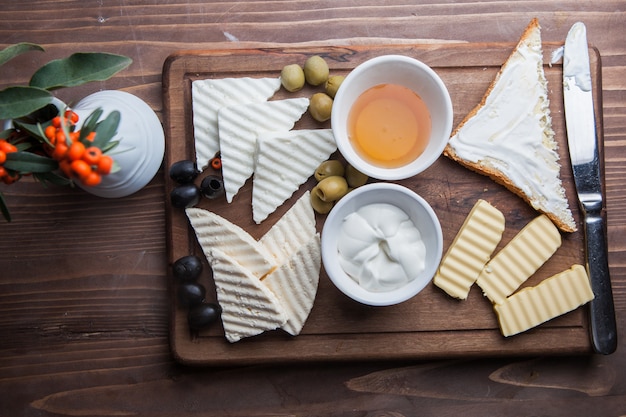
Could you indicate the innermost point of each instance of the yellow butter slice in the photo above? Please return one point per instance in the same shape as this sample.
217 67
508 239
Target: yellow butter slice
553 297
471 249
519 259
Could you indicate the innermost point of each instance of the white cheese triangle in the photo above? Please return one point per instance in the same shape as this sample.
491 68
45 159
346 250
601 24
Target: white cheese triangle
509 135
291 231
215 233
249 308
239 127
295 284
284 161
210 95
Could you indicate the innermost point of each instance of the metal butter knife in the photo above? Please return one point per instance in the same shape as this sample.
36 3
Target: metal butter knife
583 148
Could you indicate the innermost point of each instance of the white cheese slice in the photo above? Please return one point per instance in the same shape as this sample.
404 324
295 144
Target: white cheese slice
291 231
239 127
248 306
215 233
210 95
295 284
284 161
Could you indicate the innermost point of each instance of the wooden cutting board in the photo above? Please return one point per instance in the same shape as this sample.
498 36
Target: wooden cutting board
431 325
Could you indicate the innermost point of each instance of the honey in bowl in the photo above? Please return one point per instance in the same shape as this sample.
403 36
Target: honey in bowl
389 125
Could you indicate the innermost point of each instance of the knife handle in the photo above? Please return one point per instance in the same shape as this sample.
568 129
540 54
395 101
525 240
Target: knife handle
602 311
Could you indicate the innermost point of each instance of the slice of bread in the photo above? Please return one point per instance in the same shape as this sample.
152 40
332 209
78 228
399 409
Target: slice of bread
210 95
508 136
249 307
239 127
295 284
284 161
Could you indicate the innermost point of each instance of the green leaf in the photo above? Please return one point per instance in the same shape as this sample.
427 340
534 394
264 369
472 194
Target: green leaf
52 178
77 69
26 162
19 101
106 129
4 208
12 51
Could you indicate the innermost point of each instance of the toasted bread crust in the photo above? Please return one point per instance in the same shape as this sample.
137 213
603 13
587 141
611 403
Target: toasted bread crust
485 169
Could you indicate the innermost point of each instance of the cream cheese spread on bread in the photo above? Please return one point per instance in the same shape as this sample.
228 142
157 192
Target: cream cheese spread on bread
509 136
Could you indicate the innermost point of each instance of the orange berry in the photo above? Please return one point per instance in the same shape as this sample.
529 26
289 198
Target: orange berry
74 136
105 164
92 155
60 137
66 168
59 151
56 122
10 179
73 117
7 147
81 168
50 132
76 151
3 157
3 172
91 136
92 179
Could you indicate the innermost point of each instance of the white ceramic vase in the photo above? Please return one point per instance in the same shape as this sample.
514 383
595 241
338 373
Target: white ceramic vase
142 142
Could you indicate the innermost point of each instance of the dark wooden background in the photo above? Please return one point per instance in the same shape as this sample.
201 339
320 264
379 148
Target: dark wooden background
83 285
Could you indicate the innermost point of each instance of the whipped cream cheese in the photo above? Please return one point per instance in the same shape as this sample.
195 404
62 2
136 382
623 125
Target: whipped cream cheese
380 248
512 132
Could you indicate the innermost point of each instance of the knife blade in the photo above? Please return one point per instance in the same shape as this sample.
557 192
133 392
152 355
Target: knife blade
583 147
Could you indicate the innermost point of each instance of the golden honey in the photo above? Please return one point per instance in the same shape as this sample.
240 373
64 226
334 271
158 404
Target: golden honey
389 125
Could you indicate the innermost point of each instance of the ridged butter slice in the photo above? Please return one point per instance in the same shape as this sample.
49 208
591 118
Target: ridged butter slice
215 233
248 306
471 249
284 161
239 127
519 259
291 231
295 284
551 298
210 95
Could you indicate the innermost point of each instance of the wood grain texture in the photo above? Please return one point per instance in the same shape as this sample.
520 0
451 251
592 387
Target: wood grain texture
84 298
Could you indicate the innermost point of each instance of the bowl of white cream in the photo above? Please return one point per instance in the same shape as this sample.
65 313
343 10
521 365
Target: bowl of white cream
381 244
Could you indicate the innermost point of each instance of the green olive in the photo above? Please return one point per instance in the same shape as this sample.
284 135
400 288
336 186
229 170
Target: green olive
329 168
292 77
320 106
332 84
354 177
322 207
332 188
316 70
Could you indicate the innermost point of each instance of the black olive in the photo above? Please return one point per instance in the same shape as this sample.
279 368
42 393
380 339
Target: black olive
184 172
212 187
186 195
203 315
187 268
190 294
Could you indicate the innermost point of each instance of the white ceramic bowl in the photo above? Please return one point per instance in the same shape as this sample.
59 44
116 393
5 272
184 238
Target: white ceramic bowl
422 215
399 70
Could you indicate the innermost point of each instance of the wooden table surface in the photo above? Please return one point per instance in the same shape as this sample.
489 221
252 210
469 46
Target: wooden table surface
84 313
